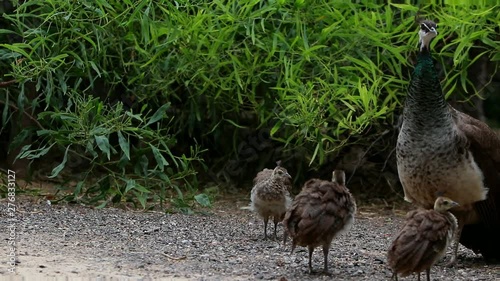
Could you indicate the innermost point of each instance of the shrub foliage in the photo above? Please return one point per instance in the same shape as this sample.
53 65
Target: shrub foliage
148 93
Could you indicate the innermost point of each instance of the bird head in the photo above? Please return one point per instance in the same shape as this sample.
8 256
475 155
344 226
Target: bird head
280 172
338 176
427 33
444 204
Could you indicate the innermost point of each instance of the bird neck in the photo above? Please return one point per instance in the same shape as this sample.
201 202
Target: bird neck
274 179
425 103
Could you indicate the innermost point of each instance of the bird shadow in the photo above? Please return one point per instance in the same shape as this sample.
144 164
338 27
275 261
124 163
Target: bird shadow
465 261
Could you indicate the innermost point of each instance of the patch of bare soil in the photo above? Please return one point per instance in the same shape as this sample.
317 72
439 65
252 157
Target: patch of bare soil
72 242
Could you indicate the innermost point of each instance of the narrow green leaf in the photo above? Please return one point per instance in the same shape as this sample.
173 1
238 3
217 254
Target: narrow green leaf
405 7
6 31
95 68
141 188
103 144
203 199
60 167
496 57
130 185
102 205
160 160
158 114
275 128
37 153
134 116
78 188
24 152
124 144
18 48
234 124
142 199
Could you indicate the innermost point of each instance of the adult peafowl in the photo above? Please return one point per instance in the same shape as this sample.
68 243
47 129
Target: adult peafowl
444 152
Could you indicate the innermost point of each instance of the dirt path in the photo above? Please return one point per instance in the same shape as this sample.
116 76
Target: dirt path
224 244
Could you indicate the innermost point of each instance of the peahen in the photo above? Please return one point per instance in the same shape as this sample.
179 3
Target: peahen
444 152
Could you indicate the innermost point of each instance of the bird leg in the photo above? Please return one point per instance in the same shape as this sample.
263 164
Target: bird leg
326 248
266 220
311 250
276 220
428 271
454 253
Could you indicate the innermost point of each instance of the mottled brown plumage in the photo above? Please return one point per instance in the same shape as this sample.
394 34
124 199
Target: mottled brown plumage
423 239
481 224
320 212
270 195
266 174
443 152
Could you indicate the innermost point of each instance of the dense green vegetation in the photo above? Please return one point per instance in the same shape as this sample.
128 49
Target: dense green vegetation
139 100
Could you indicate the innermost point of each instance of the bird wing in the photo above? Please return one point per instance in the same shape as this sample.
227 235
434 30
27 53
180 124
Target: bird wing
420 242
302 215
316 215
484 144
262 176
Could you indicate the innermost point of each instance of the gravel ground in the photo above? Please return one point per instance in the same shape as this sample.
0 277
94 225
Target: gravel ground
224 243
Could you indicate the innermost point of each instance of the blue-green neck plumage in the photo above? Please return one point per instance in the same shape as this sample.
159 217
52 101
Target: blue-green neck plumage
426 109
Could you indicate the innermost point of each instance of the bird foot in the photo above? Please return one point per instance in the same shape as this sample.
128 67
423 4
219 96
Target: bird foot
452 262
326 273
269 238
323 272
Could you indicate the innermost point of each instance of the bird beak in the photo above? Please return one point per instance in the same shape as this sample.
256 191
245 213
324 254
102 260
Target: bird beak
433 30
454 204
288 175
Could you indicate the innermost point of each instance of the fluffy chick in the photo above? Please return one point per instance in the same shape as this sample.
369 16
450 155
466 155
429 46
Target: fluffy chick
320 212
270 195
423 240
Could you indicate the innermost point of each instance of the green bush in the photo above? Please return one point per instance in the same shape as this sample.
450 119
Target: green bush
318 75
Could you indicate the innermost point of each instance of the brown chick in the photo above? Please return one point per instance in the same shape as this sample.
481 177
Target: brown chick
270 196
423 239
320 212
